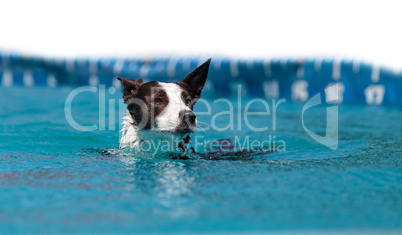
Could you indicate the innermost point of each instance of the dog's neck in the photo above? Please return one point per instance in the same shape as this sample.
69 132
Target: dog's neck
132 138
129 137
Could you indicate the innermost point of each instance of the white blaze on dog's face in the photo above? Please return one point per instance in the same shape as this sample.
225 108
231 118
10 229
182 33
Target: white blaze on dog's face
165 106
177 116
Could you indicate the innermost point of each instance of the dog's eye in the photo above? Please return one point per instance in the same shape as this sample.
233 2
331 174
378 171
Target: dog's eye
157 101
188 101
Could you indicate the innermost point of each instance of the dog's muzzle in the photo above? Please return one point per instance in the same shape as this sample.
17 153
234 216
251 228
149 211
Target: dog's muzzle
188 121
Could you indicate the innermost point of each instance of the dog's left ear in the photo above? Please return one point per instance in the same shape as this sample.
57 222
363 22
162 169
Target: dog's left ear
194 82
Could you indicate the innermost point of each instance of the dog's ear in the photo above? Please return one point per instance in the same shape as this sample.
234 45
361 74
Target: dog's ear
130 87
194 82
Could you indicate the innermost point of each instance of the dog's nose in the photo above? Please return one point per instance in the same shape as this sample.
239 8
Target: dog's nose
188 117
191 118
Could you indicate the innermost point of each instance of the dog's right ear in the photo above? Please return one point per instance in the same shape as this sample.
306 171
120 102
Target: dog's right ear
130 87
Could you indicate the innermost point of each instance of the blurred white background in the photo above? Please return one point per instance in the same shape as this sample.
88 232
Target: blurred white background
364 30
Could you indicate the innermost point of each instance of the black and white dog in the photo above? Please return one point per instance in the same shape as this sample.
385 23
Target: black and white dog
161 111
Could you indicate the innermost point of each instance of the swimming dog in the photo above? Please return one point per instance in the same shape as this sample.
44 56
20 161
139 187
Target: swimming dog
161 112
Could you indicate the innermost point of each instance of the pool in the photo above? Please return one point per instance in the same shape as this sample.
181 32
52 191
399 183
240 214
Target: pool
54 178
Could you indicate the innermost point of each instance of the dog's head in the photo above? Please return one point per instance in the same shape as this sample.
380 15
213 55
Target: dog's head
165 106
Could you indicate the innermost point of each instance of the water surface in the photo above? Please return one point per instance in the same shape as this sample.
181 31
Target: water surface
54 178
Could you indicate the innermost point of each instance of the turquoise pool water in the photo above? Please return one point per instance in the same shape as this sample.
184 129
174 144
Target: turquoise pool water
54 178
